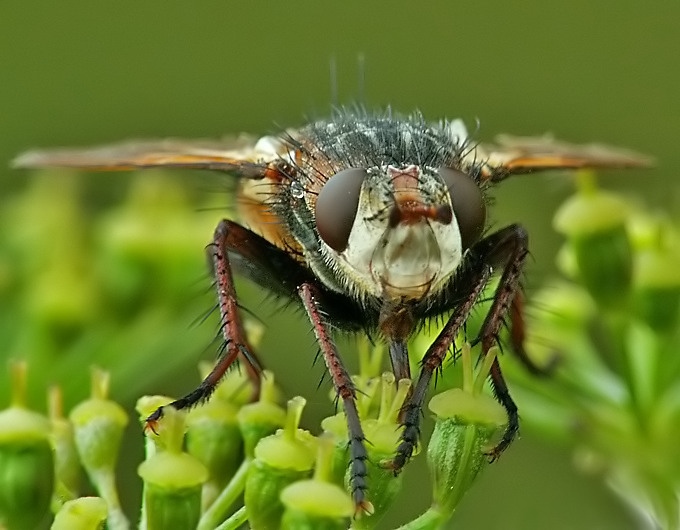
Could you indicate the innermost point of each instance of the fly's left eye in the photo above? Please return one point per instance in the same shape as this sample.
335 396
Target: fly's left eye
336 207
468 204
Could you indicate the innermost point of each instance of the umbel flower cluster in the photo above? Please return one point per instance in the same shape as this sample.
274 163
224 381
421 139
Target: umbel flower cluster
608 330
200 466
612 326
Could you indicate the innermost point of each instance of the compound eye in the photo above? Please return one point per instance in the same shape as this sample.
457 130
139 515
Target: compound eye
468 204
336 207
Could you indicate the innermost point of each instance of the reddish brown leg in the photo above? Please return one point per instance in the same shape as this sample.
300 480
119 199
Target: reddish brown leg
344 387
518 336
513 250
235 344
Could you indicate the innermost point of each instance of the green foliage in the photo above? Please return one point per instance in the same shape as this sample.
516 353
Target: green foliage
614 327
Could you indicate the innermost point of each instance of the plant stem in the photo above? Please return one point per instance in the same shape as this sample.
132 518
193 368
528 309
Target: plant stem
235 520
431 519
213 515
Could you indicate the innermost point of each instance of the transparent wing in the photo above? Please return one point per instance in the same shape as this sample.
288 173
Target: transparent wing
243 156
512 155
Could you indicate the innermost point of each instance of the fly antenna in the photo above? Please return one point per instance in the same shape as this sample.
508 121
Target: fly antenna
361 78
334 82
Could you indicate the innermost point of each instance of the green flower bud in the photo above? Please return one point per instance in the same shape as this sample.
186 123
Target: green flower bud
68 471
165 434
657 280
370 358
465 421
263 417
173 480
336 427
383 436
280 460
594 222
26 461
317 502
154 231
85 513
63 296
99 424
213 436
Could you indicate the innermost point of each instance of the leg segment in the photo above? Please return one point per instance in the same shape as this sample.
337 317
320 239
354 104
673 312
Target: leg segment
517 339
231 327
503 396
399 360
510 254
344 387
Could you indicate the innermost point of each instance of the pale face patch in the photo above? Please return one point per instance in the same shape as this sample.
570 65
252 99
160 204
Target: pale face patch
400 257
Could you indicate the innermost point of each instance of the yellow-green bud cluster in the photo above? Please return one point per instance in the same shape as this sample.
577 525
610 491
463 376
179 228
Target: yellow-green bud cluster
98 425
173 479
26 461
279 460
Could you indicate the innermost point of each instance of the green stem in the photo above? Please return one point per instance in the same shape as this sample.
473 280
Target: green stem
468 369
105 483
429 520
213 515
18 380
235 520
484 370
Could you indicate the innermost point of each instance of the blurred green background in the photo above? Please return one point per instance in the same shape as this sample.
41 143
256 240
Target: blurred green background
77 73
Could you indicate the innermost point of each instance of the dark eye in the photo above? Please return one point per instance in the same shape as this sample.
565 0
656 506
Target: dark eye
468 204
336 207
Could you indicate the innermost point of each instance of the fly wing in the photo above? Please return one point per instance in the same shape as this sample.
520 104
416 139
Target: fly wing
243 156
514 155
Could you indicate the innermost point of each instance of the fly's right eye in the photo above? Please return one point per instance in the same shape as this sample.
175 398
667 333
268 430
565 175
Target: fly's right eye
336 207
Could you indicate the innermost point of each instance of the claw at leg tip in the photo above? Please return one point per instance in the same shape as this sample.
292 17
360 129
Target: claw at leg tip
362 508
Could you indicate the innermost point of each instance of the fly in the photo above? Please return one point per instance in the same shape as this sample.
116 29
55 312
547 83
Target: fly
372 223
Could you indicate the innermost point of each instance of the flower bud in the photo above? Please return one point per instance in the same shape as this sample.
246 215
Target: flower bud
263 417
99 423
26 461
383 435
594 222
465 421
68 471
213 436
63 296
173 480
317 502
153 234
280 459
145 406
657 273
84 513
336 427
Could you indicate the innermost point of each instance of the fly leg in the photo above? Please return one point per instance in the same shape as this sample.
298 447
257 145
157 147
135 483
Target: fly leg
231 327
507 249
510 254
518 338
345 390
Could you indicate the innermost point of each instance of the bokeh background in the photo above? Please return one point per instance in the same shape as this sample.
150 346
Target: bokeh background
78 73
